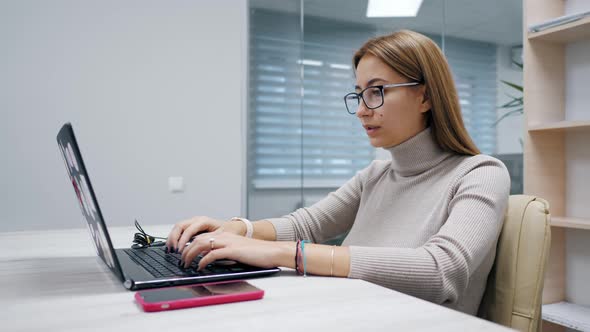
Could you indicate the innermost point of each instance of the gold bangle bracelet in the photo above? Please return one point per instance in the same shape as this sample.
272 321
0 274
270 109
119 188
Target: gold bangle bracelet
332 262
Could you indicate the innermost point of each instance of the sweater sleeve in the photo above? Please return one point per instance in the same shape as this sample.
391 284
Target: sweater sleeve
439 270
328 218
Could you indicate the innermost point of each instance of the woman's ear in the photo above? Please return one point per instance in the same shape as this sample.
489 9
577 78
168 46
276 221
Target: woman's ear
426 104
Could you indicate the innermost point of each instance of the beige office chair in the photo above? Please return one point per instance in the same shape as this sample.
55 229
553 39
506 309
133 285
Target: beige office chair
515 284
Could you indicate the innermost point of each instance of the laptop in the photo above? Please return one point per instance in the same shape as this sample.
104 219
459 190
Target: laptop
143 268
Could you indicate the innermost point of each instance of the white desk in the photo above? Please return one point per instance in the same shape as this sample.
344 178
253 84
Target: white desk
52 281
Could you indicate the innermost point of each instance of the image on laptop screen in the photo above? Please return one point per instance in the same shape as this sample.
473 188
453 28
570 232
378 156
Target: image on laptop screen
88 205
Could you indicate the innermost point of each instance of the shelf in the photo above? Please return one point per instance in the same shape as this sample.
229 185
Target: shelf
561 126
566 33
567 222
567 314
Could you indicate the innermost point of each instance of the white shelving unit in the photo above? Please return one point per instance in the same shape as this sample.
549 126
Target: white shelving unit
566 33
570 222
553 152
567 314
561 126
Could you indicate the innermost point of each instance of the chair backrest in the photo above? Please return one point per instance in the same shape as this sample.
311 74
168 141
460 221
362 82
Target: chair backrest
513 294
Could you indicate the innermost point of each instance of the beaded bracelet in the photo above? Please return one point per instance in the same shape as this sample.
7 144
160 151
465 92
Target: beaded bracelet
297 246
304 260
300 261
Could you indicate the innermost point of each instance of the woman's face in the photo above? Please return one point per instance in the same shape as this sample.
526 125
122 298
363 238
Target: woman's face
403 113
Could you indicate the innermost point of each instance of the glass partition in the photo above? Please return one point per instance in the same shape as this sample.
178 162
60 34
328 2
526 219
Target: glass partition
302 142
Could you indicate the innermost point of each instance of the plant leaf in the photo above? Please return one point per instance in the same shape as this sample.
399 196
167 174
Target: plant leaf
512 85
515 102
507 114
514 97
518 64
512 103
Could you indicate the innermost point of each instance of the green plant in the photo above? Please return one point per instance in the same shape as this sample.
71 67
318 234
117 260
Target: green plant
515 105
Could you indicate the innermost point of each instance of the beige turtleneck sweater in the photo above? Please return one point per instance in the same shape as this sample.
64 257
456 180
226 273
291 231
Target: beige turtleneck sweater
425 223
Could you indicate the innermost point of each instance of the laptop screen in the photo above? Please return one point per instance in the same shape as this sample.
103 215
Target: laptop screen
86 199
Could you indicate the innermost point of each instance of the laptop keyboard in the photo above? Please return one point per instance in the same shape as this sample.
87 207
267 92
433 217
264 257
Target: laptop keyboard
161 264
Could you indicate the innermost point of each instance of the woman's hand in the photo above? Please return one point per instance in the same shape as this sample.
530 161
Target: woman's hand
225 245
183 231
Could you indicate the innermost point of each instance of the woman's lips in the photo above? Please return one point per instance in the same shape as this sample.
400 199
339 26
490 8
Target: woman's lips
372 130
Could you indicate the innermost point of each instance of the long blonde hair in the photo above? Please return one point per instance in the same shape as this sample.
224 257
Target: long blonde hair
419 59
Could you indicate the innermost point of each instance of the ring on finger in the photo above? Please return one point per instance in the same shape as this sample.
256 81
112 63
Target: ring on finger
212 243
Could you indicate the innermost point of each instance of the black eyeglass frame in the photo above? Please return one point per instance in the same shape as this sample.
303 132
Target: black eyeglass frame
360 95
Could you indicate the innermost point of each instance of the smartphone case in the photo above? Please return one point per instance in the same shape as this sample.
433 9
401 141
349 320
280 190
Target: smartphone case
197 301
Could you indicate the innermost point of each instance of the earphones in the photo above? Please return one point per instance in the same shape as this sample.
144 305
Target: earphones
142 239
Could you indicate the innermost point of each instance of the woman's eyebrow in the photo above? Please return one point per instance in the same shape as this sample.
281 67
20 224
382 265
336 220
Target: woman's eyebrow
370 82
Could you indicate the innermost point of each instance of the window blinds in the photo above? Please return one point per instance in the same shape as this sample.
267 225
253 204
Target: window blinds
299 131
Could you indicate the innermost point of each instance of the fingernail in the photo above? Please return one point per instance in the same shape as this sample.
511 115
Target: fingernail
180 263
176 250
166 249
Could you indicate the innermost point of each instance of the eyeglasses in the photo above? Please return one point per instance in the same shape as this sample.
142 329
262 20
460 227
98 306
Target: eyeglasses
372 96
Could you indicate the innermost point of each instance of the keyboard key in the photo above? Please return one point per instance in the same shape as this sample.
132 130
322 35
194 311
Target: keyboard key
161 264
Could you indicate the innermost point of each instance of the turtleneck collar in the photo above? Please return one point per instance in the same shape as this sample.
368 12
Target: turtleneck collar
417 154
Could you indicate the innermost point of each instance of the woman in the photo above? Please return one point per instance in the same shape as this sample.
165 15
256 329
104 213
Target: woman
424 223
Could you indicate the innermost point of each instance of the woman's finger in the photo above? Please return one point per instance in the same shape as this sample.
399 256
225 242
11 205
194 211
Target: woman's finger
175 233
222 253
189 232
204 237
200 244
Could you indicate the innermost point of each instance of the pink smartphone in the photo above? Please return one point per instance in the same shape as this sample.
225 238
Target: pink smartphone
197 295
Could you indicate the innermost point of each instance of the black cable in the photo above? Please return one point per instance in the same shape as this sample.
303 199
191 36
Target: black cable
144 240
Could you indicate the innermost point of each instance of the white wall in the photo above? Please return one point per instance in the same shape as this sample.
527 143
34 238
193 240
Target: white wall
578 157
510 130
576 6
577 171
153 89
577 193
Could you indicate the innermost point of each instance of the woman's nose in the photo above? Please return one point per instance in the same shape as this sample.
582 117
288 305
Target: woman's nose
363 110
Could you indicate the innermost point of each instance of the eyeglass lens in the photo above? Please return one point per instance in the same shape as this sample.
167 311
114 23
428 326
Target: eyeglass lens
372 97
